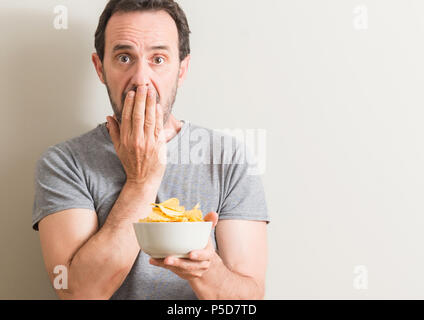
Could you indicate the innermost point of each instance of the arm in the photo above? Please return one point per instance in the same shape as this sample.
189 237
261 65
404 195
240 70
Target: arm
98 261
237 271
95 260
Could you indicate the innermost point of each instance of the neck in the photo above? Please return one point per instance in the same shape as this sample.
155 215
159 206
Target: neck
172 127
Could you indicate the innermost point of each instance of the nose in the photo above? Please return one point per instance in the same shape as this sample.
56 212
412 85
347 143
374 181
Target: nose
141 76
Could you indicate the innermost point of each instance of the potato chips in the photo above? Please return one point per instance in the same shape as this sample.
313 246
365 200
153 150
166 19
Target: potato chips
171 211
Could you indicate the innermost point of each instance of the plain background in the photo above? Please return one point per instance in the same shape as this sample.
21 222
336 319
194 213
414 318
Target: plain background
342 108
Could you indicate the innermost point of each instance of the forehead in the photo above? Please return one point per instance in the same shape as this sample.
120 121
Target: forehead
140 28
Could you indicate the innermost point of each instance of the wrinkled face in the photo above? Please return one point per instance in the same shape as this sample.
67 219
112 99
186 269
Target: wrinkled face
141 48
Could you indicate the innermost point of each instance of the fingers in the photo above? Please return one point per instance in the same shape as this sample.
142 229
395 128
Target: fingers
138 112
200 255
126 122
198 262
140 116
212 216
182 273
114 132
181 265
159 134
150 120
188 265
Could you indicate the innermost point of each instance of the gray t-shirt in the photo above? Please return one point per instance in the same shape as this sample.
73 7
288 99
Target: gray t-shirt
204 165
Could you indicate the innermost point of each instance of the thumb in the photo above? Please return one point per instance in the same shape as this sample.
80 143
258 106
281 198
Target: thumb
114 131
212 216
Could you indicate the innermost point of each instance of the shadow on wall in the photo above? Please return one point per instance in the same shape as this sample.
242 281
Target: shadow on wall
43 76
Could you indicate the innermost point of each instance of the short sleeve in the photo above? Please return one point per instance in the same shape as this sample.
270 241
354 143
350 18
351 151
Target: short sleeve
59 185
243 189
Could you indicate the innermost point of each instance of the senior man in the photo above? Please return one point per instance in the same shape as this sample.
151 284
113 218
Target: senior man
89 190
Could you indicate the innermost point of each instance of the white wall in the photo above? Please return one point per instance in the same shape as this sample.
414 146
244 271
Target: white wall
342 109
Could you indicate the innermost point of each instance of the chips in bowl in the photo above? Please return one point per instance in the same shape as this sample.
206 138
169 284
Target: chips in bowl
160 240
171 211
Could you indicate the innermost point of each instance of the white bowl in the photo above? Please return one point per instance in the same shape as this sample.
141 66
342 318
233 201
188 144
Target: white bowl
162 239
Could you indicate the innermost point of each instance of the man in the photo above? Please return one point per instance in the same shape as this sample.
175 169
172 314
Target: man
90 189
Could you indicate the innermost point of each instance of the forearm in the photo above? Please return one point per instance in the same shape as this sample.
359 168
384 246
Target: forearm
220 283
101 265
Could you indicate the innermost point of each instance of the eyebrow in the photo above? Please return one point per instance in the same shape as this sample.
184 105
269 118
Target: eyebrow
119 47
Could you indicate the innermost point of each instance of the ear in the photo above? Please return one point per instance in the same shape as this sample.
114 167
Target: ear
183 70
98 66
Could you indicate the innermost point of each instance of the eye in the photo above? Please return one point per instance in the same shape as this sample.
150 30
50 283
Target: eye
156 59
124 58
